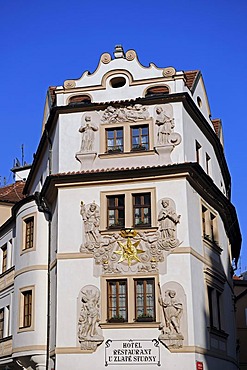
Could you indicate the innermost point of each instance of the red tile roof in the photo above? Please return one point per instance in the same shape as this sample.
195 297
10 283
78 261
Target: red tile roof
190 77
217 125
12 193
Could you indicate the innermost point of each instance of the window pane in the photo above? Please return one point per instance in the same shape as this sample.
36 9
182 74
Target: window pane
117 300
142 209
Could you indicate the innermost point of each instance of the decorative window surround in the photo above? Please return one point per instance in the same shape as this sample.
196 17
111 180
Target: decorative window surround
129 207
129 130
28 233
209 225
26 308
131 310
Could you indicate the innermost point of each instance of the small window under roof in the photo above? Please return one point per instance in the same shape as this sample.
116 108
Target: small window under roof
80 99
157 90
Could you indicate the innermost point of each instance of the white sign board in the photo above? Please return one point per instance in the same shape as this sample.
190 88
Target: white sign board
132 352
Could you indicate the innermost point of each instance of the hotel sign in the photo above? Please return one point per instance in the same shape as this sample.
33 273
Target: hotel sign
132 352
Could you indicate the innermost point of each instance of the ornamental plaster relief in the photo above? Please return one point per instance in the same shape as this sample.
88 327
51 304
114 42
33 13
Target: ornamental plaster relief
173 328
133 113
89 332
129 250
88 130
166 138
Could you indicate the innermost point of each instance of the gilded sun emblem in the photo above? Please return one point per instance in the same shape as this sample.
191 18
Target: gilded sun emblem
129 251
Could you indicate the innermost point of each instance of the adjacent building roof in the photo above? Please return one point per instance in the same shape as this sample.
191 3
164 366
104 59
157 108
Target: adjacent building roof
12 193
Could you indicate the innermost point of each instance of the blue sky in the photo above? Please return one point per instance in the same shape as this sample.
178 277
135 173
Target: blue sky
46 42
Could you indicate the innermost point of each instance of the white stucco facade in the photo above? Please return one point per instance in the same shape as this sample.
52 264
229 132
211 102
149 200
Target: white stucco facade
121 251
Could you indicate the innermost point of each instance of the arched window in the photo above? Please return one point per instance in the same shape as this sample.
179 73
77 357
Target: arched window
157 90
80 99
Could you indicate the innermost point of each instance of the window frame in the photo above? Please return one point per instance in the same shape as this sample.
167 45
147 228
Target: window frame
144 316
131 311
25 220
209 222
140 136
2 323
115 138
26 308
127 138
117 209
118 316
141 207
129 208
4 249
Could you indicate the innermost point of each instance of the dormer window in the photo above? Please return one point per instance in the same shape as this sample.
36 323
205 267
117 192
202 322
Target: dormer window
76 99
157 90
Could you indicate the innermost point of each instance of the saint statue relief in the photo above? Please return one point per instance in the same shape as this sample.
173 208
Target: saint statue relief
89 315
168 220
87 130
166 126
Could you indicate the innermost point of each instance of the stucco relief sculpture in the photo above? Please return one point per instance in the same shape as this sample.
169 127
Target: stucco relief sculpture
88 330
168 220
172 309
125 114
167 139
90 215
129 250
87 153
87 129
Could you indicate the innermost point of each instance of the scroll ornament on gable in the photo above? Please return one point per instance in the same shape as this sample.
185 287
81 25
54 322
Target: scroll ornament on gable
129 250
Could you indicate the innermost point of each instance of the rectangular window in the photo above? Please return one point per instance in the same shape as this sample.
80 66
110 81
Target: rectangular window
207 163
142 209
212 226
4 260
204 212
29 232
214 304
209 225
210 306
114 140
198 147
117 300
139 138
1 322
144 299
27 309
116 211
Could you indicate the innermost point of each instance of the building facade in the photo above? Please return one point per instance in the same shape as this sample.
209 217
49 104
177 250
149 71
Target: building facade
123 243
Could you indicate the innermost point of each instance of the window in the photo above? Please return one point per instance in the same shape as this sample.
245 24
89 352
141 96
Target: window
114 140
117 300
128 209
209 225
139 138
130 300
126 138
142 209
1 322
26 309
115 211
214 307
4 258
198 147
29 233
144 300
207 163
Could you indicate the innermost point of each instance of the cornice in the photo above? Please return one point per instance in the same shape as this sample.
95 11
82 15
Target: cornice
194 174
